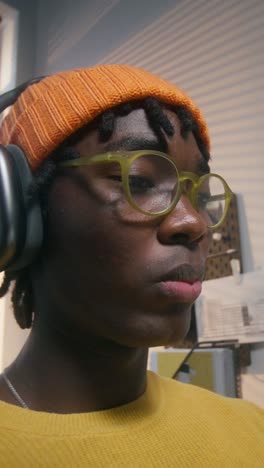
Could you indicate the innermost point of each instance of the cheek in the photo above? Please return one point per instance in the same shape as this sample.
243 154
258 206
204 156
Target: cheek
86 236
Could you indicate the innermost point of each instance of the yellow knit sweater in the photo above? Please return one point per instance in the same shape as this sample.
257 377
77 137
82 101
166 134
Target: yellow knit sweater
171 425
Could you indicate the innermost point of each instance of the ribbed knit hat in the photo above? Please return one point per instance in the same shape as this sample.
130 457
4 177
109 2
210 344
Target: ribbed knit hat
48 112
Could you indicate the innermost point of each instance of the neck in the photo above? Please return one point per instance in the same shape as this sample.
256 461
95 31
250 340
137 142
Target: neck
56 374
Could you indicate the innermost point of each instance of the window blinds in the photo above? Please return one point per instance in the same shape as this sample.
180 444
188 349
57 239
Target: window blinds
214 50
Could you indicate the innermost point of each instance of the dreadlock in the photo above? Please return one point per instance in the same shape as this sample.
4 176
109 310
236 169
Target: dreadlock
22 294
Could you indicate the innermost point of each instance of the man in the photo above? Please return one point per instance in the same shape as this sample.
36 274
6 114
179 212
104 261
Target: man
120 163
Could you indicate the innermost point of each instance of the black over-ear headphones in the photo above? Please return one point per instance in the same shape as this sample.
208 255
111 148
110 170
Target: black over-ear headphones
21 229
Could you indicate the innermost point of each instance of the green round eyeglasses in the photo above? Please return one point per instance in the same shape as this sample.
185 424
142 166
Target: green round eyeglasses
152 184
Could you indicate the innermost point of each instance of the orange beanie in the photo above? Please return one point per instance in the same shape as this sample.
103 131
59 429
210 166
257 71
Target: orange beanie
48 112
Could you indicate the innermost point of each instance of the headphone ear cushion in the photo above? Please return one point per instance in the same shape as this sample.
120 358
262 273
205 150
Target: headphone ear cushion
12 226
21 227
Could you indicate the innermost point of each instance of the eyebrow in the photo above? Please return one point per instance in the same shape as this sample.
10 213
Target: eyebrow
132 143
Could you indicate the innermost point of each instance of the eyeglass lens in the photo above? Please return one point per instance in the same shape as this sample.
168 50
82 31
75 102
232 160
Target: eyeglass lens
154 182
211 200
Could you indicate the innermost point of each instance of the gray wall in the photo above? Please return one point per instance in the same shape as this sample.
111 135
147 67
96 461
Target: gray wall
79 33
26 37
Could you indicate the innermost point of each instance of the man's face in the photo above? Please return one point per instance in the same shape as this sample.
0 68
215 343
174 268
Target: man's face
113 278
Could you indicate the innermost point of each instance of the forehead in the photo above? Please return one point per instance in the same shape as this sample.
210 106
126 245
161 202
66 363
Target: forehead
136 122
133 132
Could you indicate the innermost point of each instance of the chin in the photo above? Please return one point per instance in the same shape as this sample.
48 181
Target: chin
153 341
161 331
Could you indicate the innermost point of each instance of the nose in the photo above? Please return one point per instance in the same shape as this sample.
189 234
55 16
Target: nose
183 225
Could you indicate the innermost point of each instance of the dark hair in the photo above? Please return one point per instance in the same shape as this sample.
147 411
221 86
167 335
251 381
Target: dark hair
22 294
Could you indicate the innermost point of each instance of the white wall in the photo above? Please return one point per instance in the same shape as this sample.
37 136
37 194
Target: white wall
12 337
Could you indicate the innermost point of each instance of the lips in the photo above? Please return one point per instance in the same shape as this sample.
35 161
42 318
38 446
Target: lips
184 273
183 284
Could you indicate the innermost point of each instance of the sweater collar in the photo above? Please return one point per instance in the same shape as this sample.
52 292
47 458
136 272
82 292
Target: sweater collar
129 416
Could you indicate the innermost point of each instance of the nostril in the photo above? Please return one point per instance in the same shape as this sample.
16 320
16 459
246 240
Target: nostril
179 239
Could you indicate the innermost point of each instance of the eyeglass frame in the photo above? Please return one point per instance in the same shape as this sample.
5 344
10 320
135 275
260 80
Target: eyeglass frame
126 159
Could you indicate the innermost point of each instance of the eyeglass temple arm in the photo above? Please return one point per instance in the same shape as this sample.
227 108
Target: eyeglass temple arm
88 160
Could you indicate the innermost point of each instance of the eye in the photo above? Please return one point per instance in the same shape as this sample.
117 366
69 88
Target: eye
139 184
203 199
117 178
